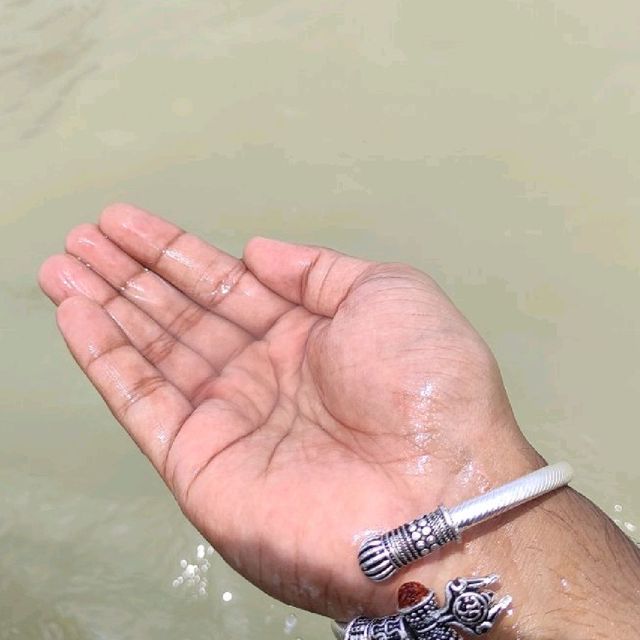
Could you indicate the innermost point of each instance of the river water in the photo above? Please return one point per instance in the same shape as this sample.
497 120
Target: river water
493 144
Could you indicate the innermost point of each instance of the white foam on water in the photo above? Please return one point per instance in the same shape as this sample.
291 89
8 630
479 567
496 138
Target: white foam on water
290 623
191 578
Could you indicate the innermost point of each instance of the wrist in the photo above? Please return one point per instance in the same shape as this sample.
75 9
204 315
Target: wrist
573 574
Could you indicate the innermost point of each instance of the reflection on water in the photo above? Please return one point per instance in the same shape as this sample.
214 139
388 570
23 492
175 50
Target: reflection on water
493 144
46 52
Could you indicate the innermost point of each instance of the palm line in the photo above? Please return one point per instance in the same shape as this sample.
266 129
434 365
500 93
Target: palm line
259 426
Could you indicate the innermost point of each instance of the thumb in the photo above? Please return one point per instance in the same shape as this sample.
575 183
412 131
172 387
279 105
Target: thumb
315 277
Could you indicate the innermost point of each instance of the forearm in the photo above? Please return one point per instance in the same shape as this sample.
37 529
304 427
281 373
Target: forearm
574 575
571 572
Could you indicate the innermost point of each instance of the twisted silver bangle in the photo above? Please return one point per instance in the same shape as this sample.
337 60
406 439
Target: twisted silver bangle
382 554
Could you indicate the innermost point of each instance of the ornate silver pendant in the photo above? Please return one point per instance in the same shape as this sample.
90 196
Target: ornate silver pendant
468 607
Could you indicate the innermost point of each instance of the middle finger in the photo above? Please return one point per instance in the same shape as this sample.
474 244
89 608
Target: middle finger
213 337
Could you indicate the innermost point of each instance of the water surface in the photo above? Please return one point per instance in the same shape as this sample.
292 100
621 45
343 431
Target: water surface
492 144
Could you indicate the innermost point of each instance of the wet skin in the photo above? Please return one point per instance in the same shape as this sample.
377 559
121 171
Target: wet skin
297 398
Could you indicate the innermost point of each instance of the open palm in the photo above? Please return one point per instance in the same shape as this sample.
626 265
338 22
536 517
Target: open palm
291 400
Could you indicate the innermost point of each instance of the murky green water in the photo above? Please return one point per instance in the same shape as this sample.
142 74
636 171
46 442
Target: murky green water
493 144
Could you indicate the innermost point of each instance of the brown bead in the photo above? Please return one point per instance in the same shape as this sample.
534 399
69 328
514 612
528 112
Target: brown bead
410 593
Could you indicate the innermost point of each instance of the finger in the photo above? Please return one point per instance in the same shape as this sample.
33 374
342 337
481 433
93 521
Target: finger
63 277
150 408
215 280
317 278
215 338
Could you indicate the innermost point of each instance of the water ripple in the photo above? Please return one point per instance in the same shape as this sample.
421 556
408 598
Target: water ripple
43 60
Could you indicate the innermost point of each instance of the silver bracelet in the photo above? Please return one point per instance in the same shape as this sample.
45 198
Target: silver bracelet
382 554
468 607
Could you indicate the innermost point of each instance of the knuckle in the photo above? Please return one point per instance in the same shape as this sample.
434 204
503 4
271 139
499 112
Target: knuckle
143 388
186 319
214 284
309 273
159 349
167 248
79 234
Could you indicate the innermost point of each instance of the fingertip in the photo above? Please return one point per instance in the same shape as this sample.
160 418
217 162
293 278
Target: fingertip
137 232
255 246
47 273
119 215
55 277
260 250
81 236
116 209
254 240
315 277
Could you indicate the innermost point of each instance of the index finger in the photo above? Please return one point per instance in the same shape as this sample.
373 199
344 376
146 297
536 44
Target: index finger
212 278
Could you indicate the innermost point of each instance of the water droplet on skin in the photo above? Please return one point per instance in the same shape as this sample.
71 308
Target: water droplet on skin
209 550
358 538
227 596
200 552
87 242
93 350
179 257
135 290
617 508
419 467
183 564
630 527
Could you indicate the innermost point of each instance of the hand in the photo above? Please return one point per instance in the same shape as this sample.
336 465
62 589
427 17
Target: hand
291 400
